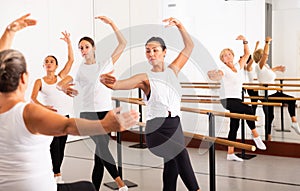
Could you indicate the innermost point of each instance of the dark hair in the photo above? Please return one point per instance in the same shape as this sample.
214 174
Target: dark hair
159 40
12 66
53 58
90 40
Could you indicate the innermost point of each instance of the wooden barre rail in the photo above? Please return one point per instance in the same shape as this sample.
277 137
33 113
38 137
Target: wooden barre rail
214 140
194 110
218 101
245 87
205 87
222 114
262 88
262 84
272 98
209 96
200 100
200 83
264 103
221 141
285 79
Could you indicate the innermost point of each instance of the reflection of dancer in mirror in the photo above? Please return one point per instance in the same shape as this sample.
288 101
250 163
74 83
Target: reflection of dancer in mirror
25 160
267 75
164 136
230 76
55 100
96 99
249 76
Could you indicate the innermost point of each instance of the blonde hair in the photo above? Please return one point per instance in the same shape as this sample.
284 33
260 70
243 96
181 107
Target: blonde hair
257 55
223 52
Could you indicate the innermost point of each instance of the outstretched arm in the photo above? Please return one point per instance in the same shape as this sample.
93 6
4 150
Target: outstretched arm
136 81
121 40
265 56
279 68
65 85
185 53
39 120
9 33
246 55
64 72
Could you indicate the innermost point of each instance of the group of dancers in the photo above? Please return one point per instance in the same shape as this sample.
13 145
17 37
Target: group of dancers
28 129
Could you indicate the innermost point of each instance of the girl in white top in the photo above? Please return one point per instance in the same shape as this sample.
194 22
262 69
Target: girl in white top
55 100
25 162
164 136
231 77
95 99
267 75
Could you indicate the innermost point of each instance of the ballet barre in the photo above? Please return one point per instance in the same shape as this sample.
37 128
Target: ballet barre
277 87
271 84
185 100
273 98
284 79
219 141
211 138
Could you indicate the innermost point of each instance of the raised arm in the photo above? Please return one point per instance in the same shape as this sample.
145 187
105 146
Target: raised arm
265 55
121 40
10 31
39 120
185 53
250 60
64 72
244 58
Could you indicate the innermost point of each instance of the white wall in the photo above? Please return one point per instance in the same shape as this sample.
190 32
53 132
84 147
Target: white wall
213 24
286 36
43 39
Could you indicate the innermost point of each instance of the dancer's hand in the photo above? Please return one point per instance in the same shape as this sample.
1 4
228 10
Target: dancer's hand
21 23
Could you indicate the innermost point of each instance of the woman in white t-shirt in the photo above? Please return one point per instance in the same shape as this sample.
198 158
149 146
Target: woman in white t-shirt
164 136
231 77
267 75
55 100
94 99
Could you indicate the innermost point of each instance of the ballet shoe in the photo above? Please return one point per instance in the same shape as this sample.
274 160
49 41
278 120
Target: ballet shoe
259 143
233 157
124 188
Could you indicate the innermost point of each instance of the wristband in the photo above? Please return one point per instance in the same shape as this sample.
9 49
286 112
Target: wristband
245 42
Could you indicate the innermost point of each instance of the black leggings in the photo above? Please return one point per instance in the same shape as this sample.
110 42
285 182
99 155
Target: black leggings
103 157
57 151
235 105
76 186
270 109
164 138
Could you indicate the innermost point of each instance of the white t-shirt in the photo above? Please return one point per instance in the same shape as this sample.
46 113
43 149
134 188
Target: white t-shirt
267 76
232 82
93 95
58 99
165 94
25 160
